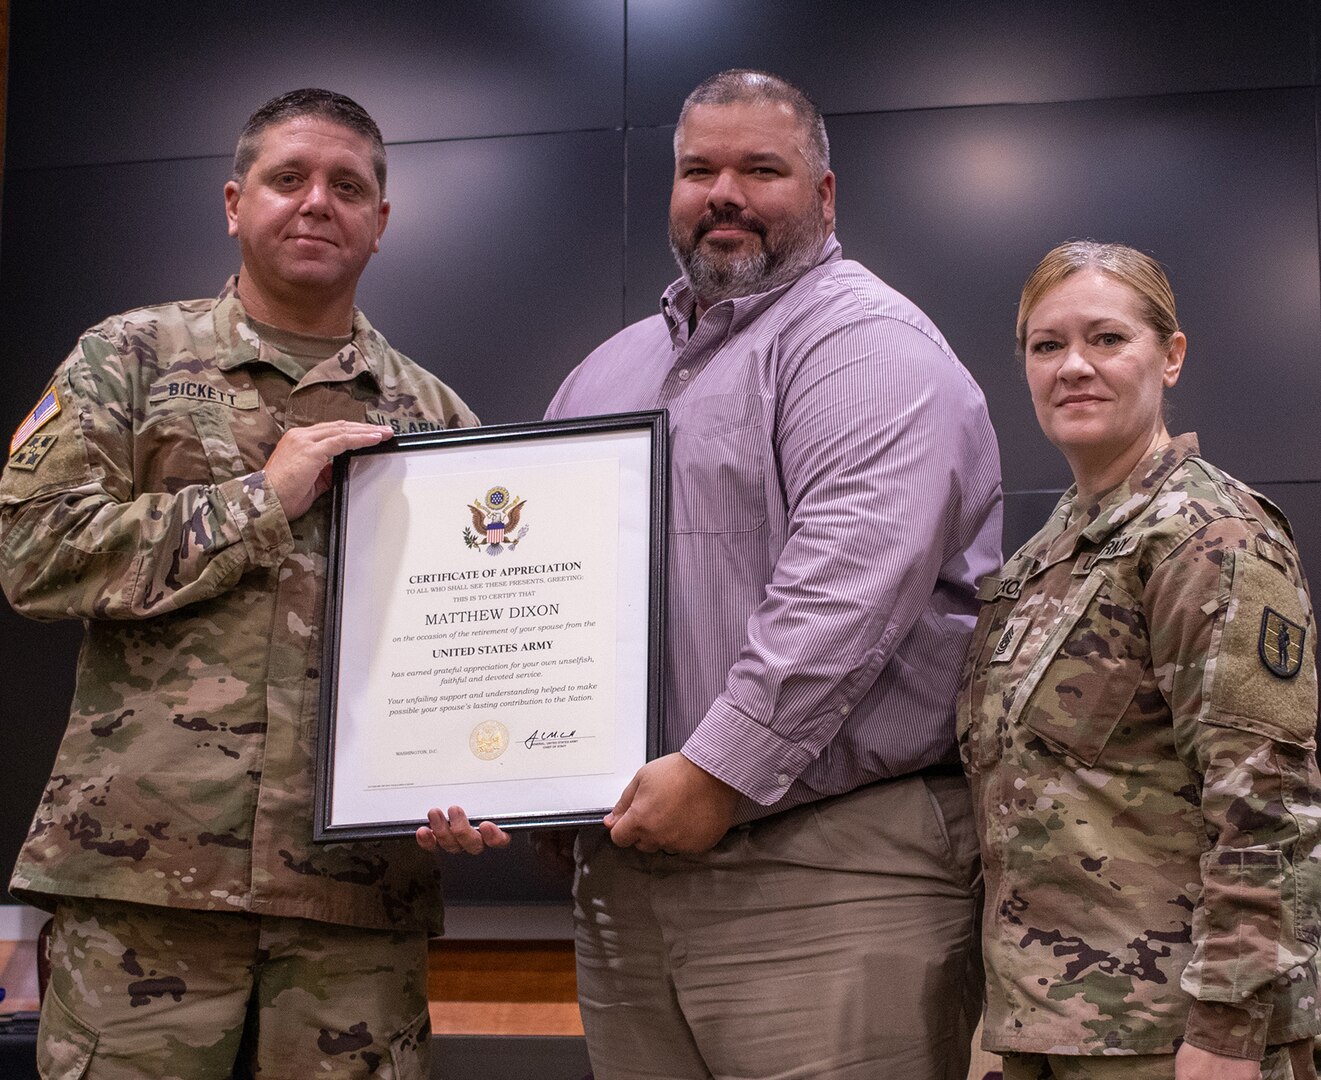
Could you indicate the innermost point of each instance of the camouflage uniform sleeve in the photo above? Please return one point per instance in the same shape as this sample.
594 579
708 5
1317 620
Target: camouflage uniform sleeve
1245 723
76 539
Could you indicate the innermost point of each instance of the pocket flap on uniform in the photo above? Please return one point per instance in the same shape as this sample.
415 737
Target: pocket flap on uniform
1087 671
66 1044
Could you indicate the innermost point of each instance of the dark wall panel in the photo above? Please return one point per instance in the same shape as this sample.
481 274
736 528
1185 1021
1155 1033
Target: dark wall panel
97 82
1024 513
502 263
81 244
955 207
516 875
649 266
1302 504
856 57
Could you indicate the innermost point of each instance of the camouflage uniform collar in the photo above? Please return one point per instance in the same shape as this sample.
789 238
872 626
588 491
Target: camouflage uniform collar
1122 504
1070 526
237 342
1035 555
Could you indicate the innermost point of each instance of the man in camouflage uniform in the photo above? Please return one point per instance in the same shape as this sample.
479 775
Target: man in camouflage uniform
1138 721
166 490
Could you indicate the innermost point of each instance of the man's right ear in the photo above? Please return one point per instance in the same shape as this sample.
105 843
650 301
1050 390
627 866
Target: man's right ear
232 193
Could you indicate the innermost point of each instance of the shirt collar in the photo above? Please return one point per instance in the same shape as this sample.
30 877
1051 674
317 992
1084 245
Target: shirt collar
678 303
237 342
1071 525
1122 504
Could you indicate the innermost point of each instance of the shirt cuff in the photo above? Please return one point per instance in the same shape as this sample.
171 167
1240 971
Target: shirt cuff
261 520
746 755
1237 1031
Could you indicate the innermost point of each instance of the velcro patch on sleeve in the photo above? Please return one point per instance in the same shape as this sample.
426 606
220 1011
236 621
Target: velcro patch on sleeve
1264 670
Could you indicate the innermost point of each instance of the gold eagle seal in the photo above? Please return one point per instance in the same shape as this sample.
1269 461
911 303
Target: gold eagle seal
489 740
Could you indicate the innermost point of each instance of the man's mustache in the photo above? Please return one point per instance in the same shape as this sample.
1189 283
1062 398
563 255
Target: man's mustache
713 220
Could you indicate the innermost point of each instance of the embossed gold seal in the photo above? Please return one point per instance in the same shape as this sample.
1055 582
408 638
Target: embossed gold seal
489 740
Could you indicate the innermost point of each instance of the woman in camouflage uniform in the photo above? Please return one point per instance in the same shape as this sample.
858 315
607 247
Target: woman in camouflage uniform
1138 722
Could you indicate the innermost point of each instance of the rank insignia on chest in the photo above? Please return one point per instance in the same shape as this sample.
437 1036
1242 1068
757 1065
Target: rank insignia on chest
1009 641
1281 644
29 455
46 409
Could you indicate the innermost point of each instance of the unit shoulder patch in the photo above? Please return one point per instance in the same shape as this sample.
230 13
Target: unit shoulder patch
29 455
1280 644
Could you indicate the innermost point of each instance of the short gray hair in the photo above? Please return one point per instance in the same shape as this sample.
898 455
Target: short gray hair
749 86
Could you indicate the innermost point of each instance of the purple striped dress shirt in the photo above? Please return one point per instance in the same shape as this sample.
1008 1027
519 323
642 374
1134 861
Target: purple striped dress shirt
835 496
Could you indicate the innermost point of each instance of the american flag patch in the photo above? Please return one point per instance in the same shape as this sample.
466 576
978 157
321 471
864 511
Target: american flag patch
47 408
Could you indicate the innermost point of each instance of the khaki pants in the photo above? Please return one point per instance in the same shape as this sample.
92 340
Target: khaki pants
139 991
835 941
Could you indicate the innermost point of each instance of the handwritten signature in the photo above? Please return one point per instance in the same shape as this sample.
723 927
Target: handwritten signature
550 738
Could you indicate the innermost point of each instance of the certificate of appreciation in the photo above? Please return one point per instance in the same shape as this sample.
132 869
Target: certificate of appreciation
494 616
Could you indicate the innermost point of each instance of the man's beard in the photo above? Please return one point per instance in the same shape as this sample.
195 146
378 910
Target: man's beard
720 275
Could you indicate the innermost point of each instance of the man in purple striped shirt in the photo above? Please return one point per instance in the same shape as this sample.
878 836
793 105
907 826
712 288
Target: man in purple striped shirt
791 890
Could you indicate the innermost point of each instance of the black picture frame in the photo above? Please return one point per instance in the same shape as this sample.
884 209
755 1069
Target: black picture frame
401 705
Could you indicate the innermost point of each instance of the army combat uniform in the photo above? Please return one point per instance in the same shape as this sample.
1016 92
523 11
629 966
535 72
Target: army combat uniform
134 499
1138 722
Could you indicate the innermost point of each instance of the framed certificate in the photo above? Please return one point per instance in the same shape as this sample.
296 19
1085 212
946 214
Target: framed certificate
494 624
